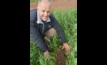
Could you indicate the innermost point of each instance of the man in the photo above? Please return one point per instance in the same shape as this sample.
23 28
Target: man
44 25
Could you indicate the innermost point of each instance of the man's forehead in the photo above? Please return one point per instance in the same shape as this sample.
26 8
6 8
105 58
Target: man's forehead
46 9
45 5
42 7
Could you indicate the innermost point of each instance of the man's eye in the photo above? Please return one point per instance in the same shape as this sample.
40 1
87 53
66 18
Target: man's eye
43 10
48 11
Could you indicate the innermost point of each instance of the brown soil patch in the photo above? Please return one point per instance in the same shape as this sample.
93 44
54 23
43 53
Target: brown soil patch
62 4
60 57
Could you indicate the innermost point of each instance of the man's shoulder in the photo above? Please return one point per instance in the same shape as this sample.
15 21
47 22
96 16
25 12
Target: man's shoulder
33 11
52 17
33 14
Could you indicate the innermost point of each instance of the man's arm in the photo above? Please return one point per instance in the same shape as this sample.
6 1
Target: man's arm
34 33
60 33
36 37
58 29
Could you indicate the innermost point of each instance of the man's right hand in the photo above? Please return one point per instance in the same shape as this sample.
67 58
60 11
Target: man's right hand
46 54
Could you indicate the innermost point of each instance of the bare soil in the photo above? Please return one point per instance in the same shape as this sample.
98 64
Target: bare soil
61 4
60 57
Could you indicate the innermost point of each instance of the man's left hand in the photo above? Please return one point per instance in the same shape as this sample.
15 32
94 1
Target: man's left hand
67 47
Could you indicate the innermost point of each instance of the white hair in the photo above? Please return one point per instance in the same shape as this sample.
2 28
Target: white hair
40 1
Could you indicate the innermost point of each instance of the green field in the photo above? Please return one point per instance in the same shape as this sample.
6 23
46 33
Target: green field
68 22
34 0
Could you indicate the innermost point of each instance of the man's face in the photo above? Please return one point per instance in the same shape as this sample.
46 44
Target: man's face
44 11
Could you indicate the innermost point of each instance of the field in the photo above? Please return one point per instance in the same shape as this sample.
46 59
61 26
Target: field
34 0
62 4
67 19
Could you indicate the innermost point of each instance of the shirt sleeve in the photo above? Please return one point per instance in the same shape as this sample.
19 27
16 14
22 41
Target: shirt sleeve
58 29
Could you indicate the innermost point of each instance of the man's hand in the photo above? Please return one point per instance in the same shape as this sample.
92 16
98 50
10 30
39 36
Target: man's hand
46 54
67 47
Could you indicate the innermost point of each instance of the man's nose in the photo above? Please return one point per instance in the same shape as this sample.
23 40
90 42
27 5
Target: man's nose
45 13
